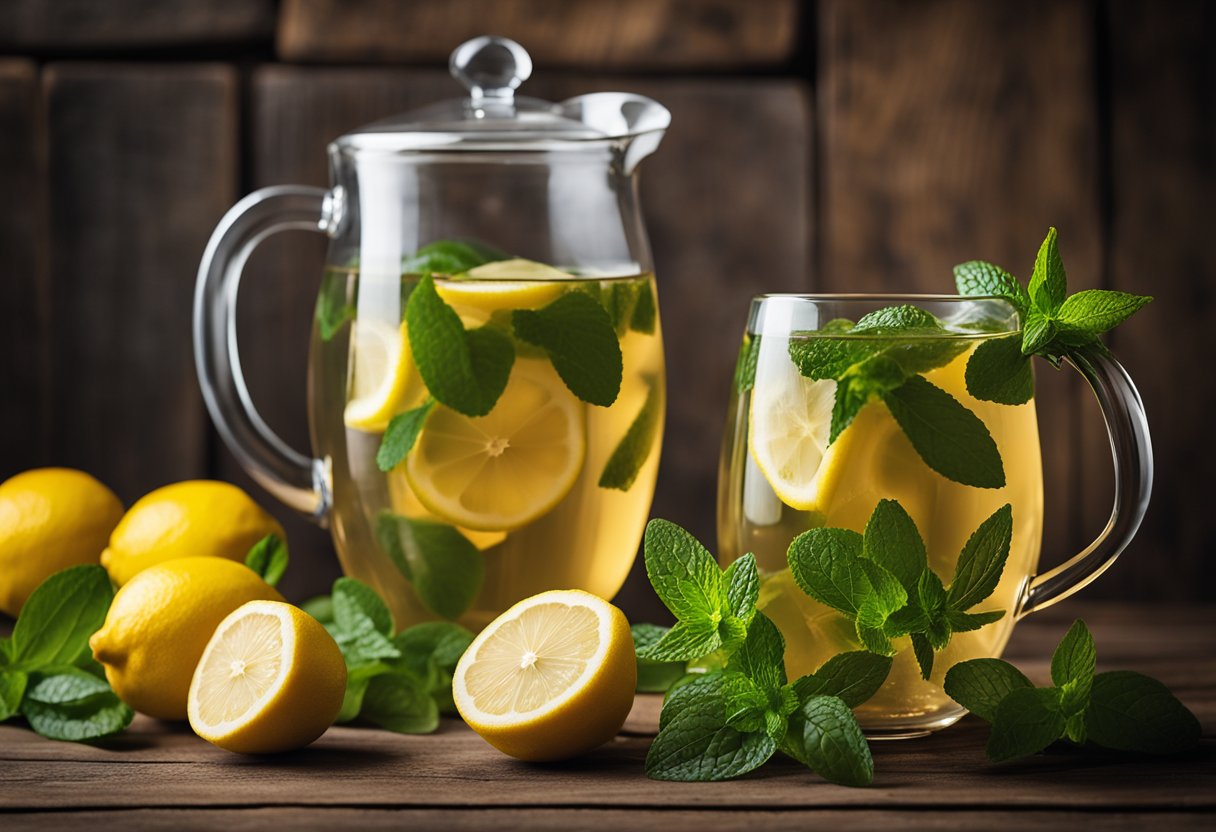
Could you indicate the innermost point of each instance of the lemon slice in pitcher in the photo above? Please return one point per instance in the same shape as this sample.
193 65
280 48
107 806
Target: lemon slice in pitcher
550 678
504 284
507 468
384 379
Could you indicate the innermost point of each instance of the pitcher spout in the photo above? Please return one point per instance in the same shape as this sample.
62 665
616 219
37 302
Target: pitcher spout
638 121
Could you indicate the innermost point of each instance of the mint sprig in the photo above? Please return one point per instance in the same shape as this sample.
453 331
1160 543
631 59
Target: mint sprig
1120 710
1054 323
47 673
882 582
654 676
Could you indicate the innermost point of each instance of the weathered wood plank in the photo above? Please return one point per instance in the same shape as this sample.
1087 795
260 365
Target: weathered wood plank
142 163
1163 162
588 34
952 131
84 24
23 352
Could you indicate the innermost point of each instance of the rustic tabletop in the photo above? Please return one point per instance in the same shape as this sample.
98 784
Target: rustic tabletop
158 775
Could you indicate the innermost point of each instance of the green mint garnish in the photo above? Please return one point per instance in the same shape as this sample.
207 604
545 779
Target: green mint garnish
881 580
401 434
579 337
47 673
450 257
1120 710
268 558
713 608
745 367
832 742
1053 323
654 676
634 448
334 309
445 569
466 370
645 312
362 625
399 702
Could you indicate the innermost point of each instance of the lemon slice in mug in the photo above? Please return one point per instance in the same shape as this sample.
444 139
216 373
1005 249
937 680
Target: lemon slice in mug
503 284
503 470
384 379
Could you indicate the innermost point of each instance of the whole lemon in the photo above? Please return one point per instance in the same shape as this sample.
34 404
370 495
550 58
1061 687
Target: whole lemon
160 622
50 519
195 518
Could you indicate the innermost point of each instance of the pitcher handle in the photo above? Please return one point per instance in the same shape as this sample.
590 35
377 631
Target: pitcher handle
300 481
1132 450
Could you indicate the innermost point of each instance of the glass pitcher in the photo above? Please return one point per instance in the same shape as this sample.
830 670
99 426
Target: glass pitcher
486 377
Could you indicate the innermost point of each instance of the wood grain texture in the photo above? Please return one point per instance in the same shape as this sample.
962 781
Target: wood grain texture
951 131
454 778
23 354
1163 166
79 24
142 163
588 34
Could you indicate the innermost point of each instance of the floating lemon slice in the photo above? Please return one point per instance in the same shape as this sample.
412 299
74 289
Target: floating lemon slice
550 678
402 498
789 426
504 284
507 468
384 380
271 679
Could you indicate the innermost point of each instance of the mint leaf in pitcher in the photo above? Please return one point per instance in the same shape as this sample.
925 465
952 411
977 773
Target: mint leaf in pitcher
579 337
450 257
445 569
634 448
401 434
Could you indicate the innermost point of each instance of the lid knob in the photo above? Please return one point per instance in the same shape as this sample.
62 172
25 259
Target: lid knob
490 67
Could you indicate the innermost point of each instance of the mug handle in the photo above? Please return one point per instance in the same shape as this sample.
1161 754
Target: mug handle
1132 450
300 481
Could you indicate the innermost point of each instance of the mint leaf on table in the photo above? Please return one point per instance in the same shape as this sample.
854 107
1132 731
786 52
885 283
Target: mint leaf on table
998 372
579 337
466 370
401 434
450 257
633 450
321 608
268 558
1027 721
12 689
950 438
833 744
363 625
400 703
852 677
443 566
74 706
1072 671
1129 711
980 685
59 616
654 676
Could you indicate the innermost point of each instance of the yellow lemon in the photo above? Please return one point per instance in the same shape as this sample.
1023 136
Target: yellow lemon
550 678
50 519
271 679
384 379
504 284
187 519
159 624
403 501
503 470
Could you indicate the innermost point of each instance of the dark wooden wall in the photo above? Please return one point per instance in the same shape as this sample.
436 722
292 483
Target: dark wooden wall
843 145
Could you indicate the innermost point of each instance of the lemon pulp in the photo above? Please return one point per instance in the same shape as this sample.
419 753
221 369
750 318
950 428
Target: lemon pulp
384 379
241 668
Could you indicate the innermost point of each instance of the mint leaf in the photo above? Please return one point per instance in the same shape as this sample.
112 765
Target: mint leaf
363 624
646 312
948 437
358 679
1072 668
980 685
1048 284
892 541
922 648
400 703
445 569
685 641
74 706
1037 332
334 308
12 688
654 676
59 616
746 705
578 335
742 580
976 277
465 370
268 558
745 366
823 354
1129 711
761 657
853 677
851 397
962 622
401 434
450 257
1095 311
321 608
694 741
631 453
1027 721
672 555
999 372
826 564
832 742
982 560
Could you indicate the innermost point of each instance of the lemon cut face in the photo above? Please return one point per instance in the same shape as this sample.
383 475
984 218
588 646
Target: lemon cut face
503 284
550 678
503 470
384 379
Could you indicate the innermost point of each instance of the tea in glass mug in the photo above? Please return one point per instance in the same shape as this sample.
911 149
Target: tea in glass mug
851 419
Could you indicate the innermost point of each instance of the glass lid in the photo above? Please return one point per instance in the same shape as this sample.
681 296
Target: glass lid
493 117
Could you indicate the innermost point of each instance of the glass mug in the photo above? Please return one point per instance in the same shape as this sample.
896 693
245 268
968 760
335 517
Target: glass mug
780 477
508 206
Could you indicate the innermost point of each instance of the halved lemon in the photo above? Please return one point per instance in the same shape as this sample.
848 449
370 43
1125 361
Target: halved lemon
550 678
504 284
789 426
271 679
403 501
503 470
384 379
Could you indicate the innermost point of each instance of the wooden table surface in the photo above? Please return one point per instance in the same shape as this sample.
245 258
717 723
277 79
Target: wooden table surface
159 776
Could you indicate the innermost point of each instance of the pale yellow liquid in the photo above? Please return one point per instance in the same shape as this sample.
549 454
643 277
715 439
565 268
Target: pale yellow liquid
587 541
883 465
